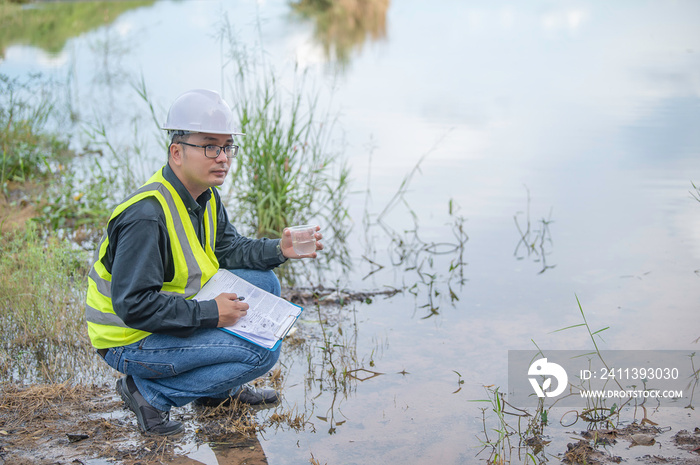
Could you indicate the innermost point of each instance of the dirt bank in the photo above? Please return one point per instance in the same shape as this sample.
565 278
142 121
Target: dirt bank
50 424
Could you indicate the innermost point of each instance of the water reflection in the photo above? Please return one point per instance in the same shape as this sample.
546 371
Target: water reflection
581 112
408 251
108 50
511 434
236 450
343 26
327 340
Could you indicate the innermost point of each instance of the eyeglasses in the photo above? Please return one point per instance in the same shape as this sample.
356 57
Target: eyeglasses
213 151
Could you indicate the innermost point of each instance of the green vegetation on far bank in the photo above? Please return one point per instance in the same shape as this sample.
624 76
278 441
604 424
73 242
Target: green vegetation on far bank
48 25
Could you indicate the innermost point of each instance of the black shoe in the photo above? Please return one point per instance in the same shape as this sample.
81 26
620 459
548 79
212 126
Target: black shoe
256 396
247 394
150 419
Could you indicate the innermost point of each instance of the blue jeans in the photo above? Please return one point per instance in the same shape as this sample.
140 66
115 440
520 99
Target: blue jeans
172 371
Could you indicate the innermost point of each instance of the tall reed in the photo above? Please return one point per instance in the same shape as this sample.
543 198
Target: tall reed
290 169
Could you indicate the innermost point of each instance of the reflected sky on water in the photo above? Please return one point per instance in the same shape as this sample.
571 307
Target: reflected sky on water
584 114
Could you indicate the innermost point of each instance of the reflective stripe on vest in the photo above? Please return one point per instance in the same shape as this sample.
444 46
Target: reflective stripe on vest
193 264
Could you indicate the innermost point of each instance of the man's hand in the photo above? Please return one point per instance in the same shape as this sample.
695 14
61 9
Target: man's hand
288 250
230 309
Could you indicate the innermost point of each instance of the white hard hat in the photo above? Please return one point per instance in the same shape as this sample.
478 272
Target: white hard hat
201 110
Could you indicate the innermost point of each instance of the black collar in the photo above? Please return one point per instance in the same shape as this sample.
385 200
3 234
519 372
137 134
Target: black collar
180 188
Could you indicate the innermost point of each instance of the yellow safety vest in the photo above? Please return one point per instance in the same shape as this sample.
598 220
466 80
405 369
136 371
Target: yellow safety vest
193 264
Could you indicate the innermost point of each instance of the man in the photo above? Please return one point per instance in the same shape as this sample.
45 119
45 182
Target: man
161 245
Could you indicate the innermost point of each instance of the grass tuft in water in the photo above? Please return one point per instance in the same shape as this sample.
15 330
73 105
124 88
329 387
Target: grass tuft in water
414 255
499 439
290 169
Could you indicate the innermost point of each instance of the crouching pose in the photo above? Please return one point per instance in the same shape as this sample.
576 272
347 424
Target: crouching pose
161 245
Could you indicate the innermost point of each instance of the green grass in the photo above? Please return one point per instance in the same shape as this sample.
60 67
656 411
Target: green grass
79 208
38 162
41 288
284 175
42 306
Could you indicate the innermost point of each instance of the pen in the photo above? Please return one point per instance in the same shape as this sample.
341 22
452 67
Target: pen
241 298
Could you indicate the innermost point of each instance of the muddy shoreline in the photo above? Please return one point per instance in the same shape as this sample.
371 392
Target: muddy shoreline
50 424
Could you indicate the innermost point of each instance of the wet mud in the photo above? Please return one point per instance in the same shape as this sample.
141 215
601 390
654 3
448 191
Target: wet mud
652 445
52 424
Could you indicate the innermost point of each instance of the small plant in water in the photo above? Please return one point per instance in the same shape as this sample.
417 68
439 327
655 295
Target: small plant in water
408 250
597 413
535 241
530 446
460 382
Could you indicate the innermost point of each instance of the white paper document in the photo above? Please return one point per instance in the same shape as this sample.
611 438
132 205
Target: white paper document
269 317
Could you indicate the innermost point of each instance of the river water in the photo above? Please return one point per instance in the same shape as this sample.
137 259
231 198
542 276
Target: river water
579 119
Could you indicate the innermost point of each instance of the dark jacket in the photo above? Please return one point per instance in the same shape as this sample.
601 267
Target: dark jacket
140 261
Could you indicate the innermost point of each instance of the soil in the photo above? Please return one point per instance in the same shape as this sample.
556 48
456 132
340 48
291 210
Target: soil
15 209
62 424
332 296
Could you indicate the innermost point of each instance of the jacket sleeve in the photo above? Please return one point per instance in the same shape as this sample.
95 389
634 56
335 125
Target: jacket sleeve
141 263
236 251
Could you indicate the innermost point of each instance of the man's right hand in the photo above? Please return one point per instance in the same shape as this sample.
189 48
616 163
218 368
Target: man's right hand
230 309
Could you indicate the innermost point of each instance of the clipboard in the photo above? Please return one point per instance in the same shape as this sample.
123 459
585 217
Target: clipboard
280 334
269 318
